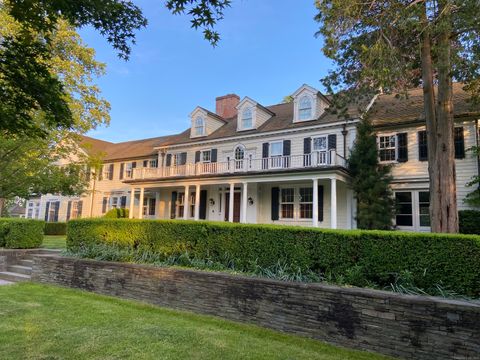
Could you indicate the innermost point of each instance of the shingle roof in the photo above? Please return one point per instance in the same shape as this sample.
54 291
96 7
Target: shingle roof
394 110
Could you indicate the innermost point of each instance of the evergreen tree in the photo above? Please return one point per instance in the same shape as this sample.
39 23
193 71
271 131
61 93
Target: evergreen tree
370 181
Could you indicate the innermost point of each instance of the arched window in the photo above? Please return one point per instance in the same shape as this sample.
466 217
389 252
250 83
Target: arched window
247 120
199 126
239 152
305 108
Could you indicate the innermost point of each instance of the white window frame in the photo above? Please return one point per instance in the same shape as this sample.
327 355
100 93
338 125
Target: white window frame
301 202
271 146
202 153
114 202
301 109
395 148
180 204
320 137
199 126
243 118
415 194
106 172
153 163
281 203
129 170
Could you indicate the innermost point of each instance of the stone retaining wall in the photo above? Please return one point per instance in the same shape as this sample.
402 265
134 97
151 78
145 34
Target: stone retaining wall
409 327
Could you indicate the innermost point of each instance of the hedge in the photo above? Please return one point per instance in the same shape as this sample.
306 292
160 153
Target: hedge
21 233
116 213
55 228
469 221
450 260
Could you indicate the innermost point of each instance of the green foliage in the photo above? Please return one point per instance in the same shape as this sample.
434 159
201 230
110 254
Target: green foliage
359 256
55 228
473 198
21 233
117 213
469 221
370 181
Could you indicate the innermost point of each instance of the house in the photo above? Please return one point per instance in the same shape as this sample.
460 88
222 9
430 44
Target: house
279 164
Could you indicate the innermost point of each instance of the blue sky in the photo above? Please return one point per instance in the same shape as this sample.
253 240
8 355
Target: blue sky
267 51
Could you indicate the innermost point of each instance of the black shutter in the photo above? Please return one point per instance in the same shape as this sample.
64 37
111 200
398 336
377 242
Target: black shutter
100 174
134 165
320 202
402 147
459 142
332 142
122 170
69 209
265 147
79 208
307 145
197 156
173 205
57 208
275 203
104 205
145 163
47 209
213 157
203 204
169 160
110 175
123 202
286 147
422 146
183 158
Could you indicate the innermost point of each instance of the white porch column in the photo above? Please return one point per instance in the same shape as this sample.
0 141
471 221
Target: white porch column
315 203
230 203
197 202
132 203
140 203
244 202
157 204
333 203
185 203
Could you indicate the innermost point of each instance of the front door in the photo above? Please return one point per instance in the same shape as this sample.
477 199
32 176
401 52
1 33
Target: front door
236 206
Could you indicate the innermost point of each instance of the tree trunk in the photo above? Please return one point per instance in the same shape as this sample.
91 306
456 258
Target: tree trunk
439 125
2 205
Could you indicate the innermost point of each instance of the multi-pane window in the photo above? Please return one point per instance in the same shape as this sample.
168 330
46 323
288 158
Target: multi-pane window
206 156
276 148
199 126
306 203
129 170
149 206
320 143
154 163
287 199
114 202
247 119
386 147
305 108
74 211
180 204
404 204
424 208
106 171
192 204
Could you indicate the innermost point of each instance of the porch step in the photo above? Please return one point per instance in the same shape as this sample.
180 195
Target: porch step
20 269
25 262
12 276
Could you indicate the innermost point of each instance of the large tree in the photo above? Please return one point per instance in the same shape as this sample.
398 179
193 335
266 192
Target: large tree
393 45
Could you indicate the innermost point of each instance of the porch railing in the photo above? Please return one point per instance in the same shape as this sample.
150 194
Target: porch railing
317 159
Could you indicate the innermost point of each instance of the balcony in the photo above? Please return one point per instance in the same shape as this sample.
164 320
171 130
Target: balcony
315 160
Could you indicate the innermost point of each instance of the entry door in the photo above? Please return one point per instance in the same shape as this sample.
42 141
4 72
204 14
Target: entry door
236 206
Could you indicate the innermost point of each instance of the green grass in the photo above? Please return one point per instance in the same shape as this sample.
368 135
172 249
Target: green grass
54 242
46 322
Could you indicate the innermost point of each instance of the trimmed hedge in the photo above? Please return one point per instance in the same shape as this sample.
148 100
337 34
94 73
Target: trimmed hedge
469 221
450 260
55 228
116 213
21 233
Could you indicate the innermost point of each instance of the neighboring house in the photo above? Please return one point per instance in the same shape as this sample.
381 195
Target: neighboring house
280 164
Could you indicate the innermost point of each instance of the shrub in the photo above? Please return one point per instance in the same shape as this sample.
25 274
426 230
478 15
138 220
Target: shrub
55 228
117 213
361 256
469 221
21 233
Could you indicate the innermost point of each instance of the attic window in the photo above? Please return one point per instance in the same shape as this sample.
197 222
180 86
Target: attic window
305 108
247 119
199 126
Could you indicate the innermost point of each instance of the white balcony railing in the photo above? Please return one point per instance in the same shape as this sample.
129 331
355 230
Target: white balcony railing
318 159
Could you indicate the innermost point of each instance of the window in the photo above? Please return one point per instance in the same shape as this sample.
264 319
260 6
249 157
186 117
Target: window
154 163
149 206
129 170
247 120
180 204
114 202
106 171
192 204
424 208
239 156
74 211
320 143
404 204
206 156
305 108
306 203
30 213
287 199
199 126
387 148
276 148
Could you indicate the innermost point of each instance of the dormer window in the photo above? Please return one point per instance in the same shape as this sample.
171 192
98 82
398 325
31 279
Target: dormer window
305 108
247 118
199 126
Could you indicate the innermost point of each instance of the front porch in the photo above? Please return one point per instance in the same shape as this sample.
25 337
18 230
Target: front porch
318 200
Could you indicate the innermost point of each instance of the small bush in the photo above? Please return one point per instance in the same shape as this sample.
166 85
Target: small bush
55 228
469 221
359 257
21 233
117 213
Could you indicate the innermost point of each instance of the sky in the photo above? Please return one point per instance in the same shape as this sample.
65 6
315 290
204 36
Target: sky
267 51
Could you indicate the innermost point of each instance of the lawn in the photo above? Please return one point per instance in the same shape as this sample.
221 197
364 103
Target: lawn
46 322
54 242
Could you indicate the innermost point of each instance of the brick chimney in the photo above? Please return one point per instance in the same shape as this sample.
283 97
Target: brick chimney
226 105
